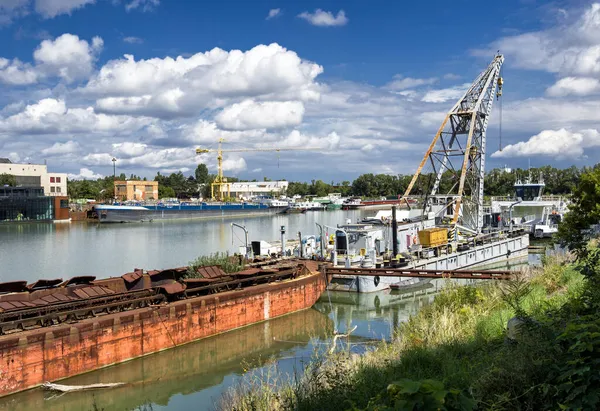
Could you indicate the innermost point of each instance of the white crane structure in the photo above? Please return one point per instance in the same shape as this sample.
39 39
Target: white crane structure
457 152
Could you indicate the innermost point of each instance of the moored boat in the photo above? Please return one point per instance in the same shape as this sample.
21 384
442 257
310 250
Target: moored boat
170 211
50 330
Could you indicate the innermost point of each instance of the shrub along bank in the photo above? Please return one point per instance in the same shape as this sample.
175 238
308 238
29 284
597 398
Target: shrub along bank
455 353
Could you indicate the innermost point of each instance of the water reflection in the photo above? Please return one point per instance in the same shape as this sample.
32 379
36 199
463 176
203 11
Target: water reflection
43 250
183 370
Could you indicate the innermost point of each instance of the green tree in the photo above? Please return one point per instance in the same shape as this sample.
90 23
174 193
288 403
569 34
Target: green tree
8 180
165 191
201 174
584 211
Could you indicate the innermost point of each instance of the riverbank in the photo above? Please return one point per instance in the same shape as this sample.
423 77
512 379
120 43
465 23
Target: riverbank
455 353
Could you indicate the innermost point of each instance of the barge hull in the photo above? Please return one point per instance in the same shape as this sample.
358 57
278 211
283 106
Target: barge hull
131 216
494 252
31 358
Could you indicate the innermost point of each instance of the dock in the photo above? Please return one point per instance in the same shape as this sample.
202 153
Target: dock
422 273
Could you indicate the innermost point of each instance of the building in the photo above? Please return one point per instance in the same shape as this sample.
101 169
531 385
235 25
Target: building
36 175
250 189
18 204
137 190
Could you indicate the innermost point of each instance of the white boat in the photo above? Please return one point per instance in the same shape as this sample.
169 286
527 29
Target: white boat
529 209
363 245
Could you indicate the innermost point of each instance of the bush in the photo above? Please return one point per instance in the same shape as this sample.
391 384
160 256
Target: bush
425 395
229 264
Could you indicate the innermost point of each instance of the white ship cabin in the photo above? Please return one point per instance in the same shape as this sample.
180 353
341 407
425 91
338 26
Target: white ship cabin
355 243
528 207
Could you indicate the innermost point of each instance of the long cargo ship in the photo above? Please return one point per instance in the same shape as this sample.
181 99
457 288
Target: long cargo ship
141 213
51 330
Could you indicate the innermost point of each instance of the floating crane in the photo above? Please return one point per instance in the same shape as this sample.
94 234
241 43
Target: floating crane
221 181
458 150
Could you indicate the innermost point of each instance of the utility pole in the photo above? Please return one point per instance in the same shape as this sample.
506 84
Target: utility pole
114 161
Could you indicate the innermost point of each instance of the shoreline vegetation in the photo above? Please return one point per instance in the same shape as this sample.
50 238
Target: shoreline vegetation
457 354
532 343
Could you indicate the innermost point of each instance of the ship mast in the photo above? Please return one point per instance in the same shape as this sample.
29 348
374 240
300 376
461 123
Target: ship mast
457 152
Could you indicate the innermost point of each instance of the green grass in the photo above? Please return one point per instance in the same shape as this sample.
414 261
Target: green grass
459 340
227 262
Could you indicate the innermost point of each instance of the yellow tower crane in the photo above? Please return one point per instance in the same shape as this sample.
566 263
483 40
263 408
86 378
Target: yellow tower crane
221 181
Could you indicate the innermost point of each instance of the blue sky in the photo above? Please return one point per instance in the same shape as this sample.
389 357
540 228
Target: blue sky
365 82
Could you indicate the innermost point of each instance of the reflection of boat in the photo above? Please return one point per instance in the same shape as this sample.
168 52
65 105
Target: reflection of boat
411 284
183 370
362 309
293 210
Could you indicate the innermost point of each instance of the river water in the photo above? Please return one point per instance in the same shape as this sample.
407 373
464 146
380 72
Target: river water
196 375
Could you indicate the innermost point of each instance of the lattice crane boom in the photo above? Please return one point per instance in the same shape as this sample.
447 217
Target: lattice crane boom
457 151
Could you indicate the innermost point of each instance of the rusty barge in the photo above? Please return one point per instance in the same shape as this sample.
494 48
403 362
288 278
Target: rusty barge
54 329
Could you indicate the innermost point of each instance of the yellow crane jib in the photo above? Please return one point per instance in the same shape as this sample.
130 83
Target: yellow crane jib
220 182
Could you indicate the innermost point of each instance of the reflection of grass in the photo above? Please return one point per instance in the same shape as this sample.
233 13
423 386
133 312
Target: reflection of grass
228 263
458 340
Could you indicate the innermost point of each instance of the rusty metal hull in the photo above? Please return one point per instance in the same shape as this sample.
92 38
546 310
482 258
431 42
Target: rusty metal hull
51 353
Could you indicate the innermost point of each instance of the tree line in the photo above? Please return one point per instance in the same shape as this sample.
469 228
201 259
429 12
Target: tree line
498 182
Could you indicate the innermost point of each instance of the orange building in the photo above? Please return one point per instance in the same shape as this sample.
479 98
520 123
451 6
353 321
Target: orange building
136 190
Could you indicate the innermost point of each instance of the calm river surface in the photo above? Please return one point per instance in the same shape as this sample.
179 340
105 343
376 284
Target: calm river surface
194 376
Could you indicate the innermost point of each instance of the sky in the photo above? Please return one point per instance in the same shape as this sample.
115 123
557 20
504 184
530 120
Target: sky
349 87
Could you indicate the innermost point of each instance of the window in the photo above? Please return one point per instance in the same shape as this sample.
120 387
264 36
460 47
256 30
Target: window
64 203
52 189
58 189
58 180
148 188
52 179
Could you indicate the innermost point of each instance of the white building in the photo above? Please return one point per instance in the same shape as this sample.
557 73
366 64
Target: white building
36 175
248 189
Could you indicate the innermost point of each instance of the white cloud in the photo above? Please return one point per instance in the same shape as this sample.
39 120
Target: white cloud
431 119
249 115
402 83
11 9
62 148
567 49
52 115
14 157
553 143
52 8
183 86
576 86
133 40
535 114
273 13
296 139
85 174
443 95
234 164
17 73
144 5
325 18
129 149
452 76
67 56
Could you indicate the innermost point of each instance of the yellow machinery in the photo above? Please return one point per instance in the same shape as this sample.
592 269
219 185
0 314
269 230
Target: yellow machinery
433 237
220 182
